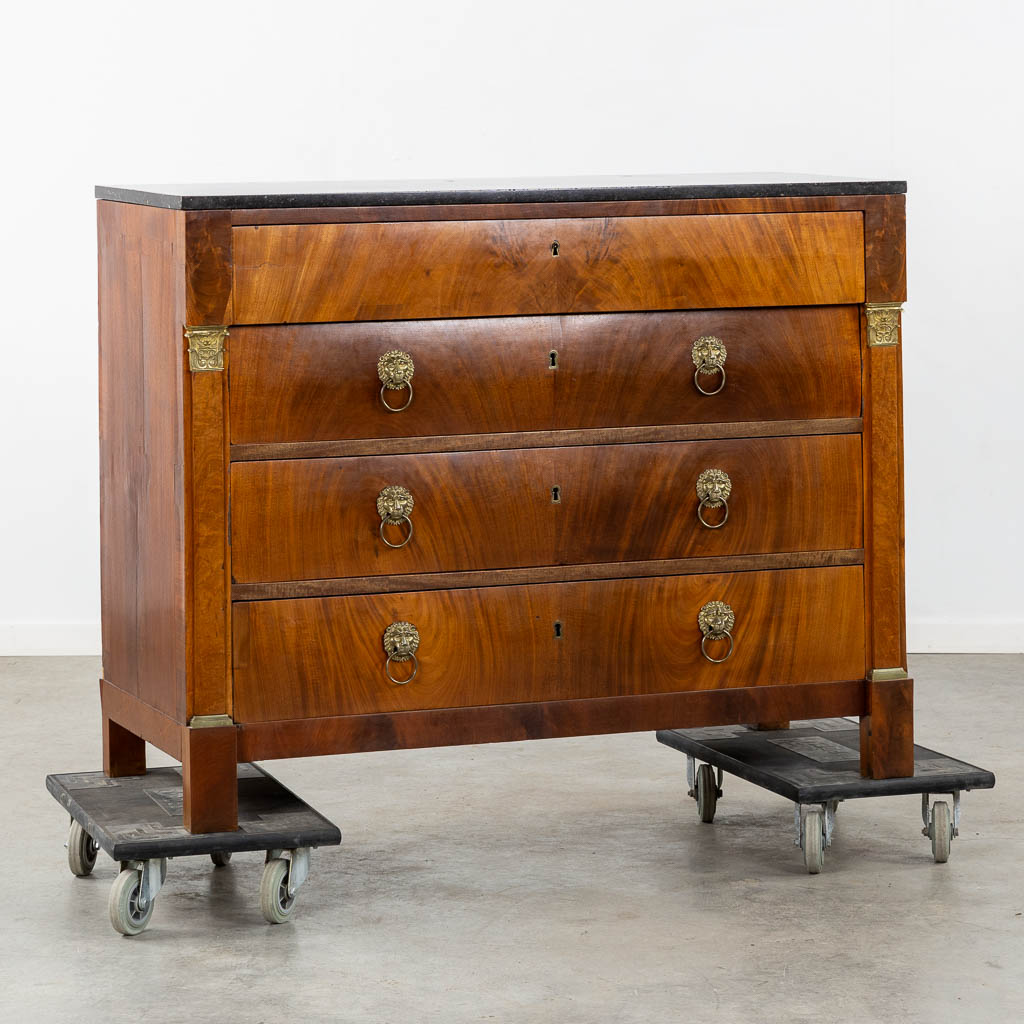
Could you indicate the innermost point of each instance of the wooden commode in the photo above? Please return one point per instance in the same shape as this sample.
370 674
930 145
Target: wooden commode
411 464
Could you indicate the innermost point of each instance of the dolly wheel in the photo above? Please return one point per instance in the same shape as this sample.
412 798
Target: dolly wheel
221 858
82 851
126 914
707 793
813 841
275 903
940 831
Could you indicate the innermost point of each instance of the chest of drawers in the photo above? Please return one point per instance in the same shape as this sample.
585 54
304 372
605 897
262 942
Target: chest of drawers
409 465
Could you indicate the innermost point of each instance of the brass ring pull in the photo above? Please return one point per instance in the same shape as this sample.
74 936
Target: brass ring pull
708 368
387 522
401 641
717 621
703 650
713 490
394 506
708 354
395 370
401 682
395 408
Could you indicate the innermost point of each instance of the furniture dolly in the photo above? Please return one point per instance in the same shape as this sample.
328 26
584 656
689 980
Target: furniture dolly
137 821
815 764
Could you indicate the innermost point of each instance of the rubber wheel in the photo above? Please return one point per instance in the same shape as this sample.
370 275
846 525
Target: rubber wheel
275 903
125 914
82 851
221 859
707 793
941 831
814 841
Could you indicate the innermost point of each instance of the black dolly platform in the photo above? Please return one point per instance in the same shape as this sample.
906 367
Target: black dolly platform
816 764
137 820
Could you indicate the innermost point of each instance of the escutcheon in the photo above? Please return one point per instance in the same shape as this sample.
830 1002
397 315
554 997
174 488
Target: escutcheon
717 621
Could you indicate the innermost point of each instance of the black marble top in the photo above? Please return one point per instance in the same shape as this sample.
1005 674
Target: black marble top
288 195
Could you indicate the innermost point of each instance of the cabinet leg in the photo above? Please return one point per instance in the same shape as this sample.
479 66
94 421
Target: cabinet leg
210 779
771 726
124 753
887 730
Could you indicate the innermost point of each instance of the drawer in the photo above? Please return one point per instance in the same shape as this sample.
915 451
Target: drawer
310 658
305 273
319 382
304 519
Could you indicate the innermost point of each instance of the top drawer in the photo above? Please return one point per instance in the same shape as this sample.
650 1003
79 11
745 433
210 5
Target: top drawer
308 273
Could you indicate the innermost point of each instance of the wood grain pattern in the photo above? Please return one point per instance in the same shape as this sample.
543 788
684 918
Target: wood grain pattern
209 633
392 584
885 248
887 730
884 516
541 439
324 657
140 718
317 518
592 717
209 779
303 273
208 262
142 449
316 382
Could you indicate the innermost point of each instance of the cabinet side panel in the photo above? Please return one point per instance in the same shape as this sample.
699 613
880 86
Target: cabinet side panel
142 531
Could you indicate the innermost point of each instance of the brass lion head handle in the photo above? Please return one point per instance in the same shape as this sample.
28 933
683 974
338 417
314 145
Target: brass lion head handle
394 506
717 621
708 354
401 641
395 370
713 490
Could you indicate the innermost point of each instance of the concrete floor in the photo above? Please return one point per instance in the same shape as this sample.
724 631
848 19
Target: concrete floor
565 881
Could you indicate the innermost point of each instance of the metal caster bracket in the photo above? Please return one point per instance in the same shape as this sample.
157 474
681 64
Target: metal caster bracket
152 873
691 779
926 813
298 866
828 809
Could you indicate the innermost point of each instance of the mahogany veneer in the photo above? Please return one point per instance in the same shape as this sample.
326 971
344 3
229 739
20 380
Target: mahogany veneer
302 519
318 382
552 446
299 273
314 658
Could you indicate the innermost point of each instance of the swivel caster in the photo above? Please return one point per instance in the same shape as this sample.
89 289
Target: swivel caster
812 841
285 871
221 858
134 893
706 792
940 831
82 851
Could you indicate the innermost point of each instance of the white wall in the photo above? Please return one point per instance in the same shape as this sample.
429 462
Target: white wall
132 92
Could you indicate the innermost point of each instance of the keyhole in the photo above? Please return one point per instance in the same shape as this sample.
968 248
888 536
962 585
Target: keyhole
553 360
558 630
556 495
554 248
